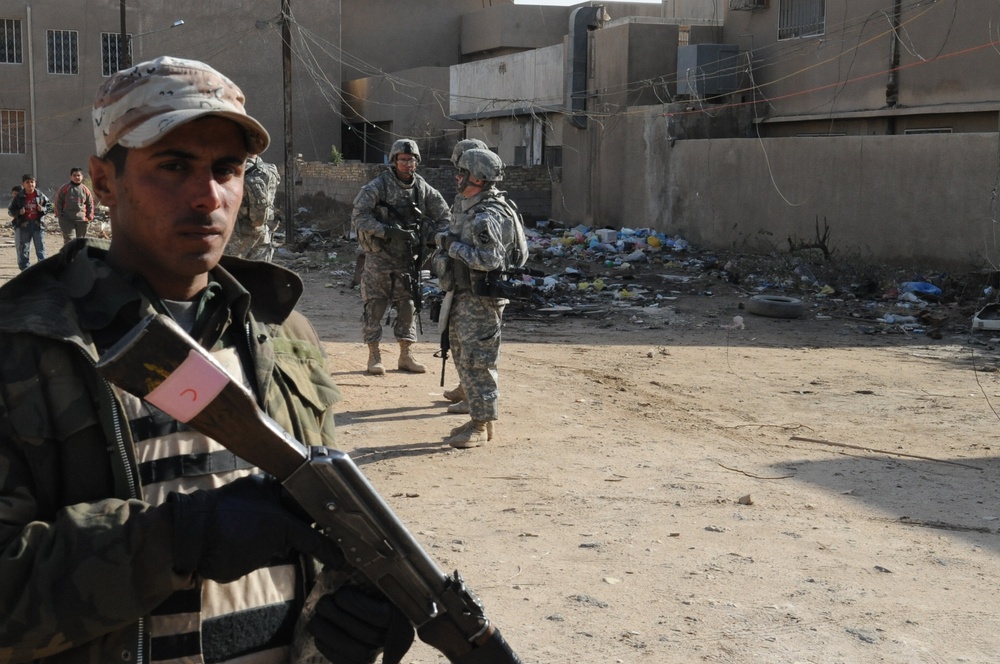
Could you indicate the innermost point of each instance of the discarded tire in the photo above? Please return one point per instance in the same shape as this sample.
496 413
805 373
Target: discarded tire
775 306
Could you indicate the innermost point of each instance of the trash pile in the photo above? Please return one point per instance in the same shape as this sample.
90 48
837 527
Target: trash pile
598 272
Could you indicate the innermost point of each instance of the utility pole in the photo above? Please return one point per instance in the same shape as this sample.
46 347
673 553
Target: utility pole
124 52
286 72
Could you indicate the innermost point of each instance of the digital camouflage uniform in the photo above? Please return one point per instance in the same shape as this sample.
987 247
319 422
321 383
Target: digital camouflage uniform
72 515
252 234
386 278
486 237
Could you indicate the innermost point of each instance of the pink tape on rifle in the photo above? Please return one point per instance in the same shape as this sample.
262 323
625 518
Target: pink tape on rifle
192 386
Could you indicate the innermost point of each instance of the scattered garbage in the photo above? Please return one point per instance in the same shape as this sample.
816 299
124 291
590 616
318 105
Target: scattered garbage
648 274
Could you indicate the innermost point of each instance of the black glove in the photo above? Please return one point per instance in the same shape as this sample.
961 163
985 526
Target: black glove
226 533
351 627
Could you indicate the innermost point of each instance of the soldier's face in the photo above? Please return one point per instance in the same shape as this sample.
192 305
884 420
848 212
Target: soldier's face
174 205
406 166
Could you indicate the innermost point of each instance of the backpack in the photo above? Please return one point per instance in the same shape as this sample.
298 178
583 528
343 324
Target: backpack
260 184
519 248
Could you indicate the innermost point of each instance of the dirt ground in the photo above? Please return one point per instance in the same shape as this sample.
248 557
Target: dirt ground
666 487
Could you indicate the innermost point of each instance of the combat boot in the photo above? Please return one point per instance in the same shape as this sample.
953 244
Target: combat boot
460 408
455 395
406 360
375 367
473 435
490 424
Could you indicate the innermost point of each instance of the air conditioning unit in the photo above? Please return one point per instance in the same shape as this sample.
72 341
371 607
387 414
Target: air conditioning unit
707 70
746 5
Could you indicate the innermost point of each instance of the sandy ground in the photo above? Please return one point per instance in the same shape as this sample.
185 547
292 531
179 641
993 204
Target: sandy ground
664 489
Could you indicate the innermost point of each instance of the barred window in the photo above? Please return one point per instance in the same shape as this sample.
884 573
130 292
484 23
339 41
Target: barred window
10 41
63 54
12 132
801 18
112 52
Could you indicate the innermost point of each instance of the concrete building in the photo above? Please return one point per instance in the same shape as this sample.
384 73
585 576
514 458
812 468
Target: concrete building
875 119
54 55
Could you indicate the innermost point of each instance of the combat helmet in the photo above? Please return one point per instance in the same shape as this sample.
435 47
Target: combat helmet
404 146
463 145
481 164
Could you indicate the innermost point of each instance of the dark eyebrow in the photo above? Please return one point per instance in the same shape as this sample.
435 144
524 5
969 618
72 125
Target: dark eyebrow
183 154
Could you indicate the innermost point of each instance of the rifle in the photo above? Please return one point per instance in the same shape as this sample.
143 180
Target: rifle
443 318
404 220
506 284
160 363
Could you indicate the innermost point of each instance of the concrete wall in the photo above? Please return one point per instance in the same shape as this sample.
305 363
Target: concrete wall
413 103
243 41
498 30
945 57
390 35
530 188
630 55
920 198
525 82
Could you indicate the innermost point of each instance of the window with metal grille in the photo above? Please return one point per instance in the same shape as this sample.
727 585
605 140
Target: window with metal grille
12 132
10 41
63 54
112 52
801 18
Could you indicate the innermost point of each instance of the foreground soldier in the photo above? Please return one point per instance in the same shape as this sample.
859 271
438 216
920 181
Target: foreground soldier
390 233
488 239
124 535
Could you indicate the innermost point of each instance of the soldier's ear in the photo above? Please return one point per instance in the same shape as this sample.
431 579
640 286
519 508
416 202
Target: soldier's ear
102 177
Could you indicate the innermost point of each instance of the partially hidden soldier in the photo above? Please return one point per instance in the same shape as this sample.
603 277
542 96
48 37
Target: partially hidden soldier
125 535
489 239
252 237
456 395
74 206
395 215
28 209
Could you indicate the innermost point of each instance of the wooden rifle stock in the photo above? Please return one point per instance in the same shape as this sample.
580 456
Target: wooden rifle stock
160 363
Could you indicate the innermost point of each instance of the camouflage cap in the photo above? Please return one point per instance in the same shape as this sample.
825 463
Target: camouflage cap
139 105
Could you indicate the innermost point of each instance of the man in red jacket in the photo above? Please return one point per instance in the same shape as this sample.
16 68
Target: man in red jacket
74 206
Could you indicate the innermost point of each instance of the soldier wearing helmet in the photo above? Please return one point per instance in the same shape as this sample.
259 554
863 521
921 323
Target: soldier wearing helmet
457 395
391 216
485 237
462 146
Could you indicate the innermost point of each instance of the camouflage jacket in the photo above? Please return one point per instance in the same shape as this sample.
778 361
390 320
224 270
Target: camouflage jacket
385 201
83 559
485 233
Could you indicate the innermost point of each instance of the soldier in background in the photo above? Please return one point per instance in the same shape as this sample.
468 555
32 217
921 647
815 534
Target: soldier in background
388 219
490 238
457 395
251 238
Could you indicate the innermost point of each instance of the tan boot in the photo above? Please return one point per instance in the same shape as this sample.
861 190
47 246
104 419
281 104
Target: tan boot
489 429
473 435
460 408
375 367
407 361
455 395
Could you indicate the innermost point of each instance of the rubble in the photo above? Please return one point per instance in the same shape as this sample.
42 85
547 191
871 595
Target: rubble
646 276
